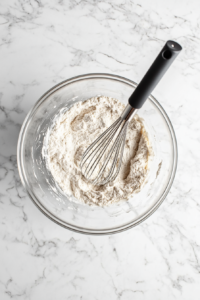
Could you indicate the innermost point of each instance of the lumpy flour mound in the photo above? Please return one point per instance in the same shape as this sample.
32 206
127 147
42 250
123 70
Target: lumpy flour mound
75 130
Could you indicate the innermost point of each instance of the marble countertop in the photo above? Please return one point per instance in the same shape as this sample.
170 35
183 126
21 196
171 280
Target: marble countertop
44 42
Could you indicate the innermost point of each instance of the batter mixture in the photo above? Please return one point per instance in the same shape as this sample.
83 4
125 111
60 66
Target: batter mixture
75 130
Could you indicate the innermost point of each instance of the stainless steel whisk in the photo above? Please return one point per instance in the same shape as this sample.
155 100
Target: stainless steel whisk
101 162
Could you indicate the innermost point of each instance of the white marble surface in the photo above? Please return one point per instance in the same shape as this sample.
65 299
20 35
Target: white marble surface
45 42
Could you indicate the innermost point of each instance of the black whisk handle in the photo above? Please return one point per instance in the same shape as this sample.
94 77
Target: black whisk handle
159 67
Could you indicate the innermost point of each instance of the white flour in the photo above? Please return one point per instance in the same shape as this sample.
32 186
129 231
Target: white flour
75 130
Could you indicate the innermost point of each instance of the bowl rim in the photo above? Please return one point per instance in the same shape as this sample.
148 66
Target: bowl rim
36 201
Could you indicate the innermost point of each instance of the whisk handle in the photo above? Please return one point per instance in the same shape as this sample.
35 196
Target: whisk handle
161 64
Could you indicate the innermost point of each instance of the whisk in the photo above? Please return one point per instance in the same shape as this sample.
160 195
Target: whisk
101 162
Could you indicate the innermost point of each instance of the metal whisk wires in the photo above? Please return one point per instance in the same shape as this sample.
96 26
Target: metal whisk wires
102 160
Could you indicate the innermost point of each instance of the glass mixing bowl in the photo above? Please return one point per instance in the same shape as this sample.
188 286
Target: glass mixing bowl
40 184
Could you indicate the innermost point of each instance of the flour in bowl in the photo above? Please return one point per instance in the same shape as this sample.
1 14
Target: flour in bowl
75 130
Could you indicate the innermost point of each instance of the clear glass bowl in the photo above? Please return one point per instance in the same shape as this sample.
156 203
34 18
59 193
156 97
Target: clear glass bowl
40 184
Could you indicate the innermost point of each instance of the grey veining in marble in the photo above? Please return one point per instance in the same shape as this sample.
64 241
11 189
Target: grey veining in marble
44 42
